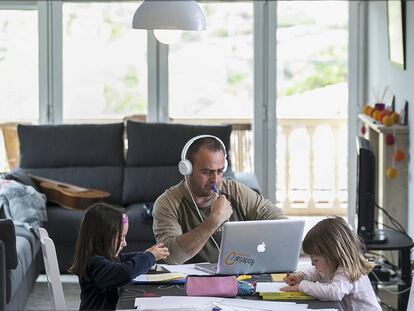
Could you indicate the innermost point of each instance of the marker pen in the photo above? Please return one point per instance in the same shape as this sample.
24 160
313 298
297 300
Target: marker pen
214 188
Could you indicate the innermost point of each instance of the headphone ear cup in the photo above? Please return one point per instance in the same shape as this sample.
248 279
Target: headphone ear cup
185 167
226 164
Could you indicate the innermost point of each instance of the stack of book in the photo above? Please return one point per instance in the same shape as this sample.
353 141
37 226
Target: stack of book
271 291
286 296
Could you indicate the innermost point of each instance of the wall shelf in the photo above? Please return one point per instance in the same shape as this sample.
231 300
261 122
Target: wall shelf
391 194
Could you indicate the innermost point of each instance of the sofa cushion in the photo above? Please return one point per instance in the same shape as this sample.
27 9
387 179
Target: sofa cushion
25 258
71 145
165 150
8 236
146 184
152 163
30 236
140 229
71 219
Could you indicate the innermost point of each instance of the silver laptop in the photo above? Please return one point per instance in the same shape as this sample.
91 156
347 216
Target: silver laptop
260 246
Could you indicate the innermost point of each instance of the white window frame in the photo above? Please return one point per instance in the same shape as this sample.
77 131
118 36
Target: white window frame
356 84
50 62
265 58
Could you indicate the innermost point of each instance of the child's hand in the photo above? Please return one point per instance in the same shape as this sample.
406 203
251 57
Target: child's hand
293 278
294 288
159 251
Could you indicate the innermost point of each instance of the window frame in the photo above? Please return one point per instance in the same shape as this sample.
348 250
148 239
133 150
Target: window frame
264 82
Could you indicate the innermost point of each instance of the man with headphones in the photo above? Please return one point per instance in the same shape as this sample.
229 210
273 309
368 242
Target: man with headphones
188 217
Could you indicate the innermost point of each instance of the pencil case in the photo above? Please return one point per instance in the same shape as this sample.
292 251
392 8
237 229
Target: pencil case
217 286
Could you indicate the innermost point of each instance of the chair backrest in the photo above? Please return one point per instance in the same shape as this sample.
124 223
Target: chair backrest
52 271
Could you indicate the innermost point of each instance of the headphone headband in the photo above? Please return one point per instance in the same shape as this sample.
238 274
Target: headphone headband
185 167
192 140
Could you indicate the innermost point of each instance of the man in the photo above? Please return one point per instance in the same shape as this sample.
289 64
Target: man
188 217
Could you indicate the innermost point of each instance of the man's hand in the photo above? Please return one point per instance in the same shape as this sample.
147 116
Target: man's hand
293 278
221 210
159 251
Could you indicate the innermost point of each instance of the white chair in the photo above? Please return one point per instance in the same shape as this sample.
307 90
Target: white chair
52 271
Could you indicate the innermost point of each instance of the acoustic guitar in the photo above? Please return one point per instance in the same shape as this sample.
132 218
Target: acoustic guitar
68 195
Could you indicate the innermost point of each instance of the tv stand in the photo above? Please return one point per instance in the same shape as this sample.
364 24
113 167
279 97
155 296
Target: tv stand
397 241
379 237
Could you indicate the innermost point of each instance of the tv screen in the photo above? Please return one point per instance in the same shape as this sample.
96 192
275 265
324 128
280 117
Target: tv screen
366 190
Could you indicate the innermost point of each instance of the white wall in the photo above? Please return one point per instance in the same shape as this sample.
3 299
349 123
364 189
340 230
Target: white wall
381 72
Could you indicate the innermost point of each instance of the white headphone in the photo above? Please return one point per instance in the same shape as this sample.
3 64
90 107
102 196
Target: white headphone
185 167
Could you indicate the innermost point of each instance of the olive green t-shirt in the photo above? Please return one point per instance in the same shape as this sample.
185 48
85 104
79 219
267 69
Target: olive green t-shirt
175 214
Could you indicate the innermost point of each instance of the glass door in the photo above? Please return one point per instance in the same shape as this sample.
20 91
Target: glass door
312 107
211 76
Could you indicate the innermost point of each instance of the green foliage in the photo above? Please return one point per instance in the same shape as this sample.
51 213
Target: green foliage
125 99
324 74
330 68
235 82
235 78
221 33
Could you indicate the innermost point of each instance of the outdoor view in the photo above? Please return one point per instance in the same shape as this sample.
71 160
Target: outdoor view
210 81
19 70
104 62
312 47
211 72
19 73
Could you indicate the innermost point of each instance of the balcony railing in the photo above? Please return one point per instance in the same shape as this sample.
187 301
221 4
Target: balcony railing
311 162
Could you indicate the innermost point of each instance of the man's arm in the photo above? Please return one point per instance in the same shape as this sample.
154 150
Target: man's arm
183 247
193 241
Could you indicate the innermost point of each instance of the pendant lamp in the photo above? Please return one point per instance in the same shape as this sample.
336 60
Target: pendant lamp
168 16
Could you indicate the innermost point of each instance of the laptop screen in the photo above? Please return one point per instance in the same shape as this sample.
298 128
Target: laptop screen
263 246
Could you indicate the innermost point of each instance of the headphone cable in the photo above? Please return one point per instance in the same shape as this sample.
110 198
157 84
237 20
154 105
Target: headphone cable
198 211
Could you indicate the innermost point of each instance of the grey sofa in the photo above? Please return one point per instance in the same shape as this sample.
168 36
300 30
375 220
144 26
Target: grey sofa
20 261
94 156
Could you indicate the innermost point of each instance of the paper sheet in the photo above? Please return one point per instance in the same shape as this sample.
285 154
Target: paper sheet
176 302
245 304
186 269
159 277
206 303
269 287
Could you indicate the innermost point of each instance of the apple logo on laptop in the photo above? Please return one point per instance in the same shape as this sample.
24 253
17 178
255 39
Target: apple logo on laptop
261 247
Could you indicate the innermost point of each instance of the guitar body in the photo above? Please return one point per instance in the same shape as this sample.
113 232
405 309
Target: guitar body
69 196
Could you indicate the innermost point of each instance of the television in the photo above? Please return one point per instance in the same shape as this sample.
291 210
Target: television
366 190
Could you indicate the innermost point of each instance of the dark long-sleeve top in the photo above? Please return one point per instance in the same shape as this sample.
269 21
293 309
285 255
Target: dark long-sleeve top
105 277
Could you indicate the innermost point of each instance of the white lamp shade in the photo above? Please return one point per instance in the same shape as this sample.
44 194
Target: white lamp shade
169 14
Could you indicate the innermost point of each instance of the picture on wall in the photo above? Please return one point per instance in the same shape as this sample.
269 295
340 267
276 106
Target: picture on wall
396 35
